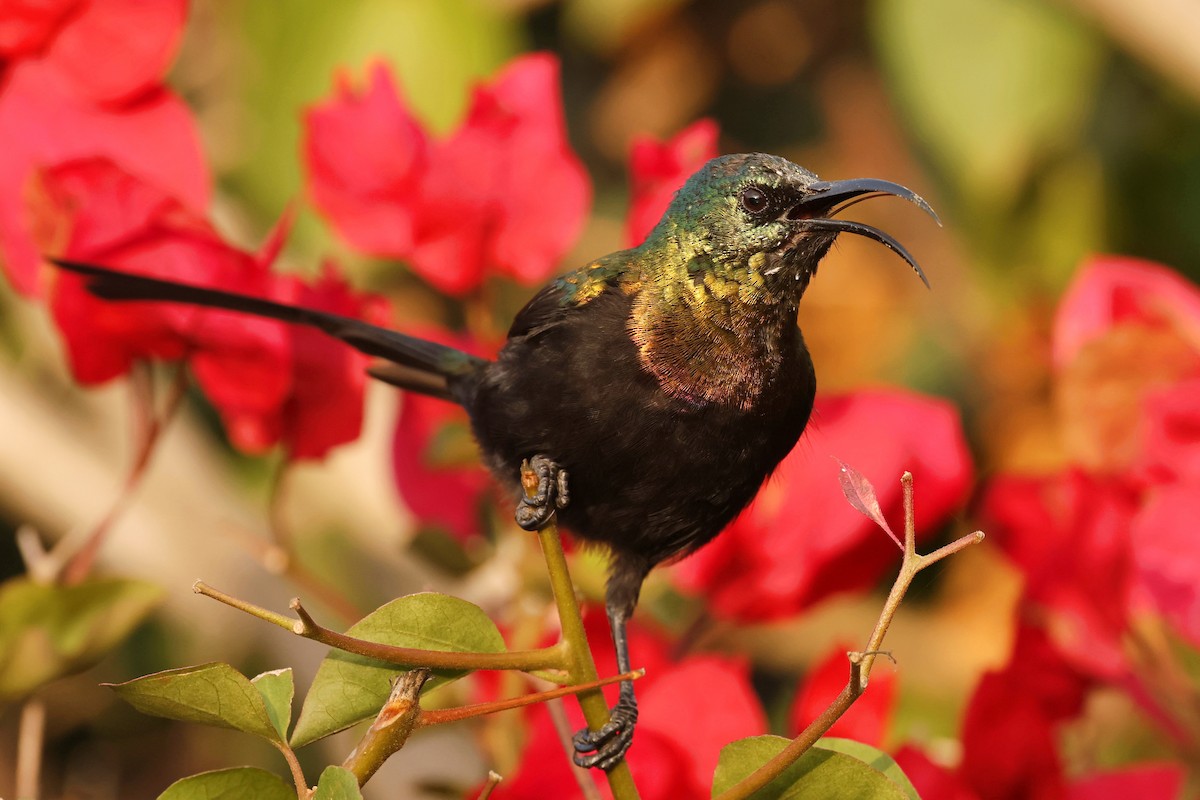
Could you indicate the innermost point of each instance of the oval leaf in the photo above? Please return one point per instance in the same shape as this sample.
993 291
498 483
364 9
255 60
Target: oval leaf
337 783
49 631
818 774
211 694
277 689
239 783
350 688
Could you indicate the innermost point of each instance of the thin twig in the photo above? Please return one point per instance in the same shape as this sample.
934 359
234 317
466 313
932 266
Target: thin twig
860 662
459 713
492 782
30 736
546 658
282 558
562 726
80 563
289 755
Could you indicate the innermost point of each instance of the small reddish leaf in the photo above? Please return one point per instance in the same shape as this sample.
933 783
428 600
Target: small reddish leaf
861 494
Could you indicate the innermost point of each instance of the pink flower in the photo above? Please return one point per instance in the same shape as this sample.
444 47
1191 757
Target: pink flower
800 541
502 194
86 81
658 169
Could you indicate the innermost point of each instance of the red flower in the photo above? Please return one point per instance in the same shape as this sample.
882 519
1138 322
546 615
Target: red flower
658 169
800 541
110 217
366 156
1144 781
867 719
270 382
1069 536
435 460
1112 291
324 406
1167 555
503 193
87 81
931 780
1009 741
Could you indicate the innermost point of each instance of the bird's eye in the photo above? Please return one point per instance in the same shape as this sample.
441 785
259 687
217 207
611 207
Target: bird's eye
754 200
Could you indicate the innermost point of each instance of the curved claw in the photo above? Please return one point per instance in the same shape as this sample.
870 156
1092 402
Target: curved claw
534 512
605 748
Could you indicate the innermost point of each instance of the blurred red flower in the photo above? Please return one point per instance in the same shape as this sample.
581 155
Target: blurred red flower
324 407
1010 738
658 169
800 541
1111 291
270 382
1069 536
435 460
64 94
503 193
867 719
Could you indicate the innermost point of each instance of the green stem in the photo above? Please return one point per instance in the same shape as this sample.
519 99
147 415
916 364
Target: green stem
579 655
546 658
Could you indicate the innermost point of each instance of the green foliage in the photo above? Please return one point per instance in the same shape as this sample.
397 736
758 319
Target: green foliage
831 768
213 694
48 631
277 689
350 688
337 783
239 783
990 85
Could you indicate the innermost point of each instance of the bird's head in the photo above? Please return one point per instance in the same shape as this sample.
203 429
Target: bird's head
758 224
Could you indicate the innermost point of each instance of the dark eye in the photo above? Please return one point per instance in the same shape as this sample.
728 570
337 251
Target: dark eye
754 200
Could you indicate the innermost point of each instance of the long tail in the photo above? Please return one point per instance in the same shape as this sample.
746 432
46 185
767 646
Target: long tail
424 366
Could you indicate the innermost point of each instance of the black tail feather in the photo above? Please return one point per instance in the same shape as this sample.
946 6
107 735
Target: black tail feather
437 361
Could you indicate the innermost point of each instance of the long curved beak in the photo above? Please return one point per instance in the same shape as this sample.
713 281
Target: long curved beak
826 198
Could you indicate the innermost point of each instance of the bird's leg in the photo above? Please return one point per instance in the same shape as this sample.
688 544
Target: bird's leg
549 494
606 747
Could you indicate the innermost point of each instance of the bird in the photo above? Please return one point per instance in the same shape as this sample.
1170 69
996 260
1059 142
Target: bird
651 392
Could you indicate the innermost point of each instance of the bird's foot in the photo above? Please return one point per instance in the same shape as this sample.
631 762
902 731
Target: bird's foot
547 483
606 747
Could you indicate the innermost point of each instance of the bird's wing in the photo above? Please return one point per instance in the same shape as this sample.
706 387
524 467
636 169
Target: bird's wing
574 290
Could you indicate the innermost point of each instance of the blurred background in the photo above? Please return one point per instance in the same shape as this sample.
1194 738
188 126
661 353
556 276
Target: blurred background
1042 132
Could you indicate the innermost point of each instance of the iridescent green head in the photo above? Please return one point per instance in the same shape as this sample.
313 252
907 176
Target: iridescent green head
757 220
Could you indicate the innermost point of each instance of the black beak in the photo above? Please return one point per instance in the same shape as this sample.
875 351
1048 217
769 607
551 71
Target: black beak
825 198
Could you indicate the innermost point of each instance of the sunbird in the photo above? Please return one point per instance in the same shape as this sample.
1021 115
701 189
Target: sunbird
652 391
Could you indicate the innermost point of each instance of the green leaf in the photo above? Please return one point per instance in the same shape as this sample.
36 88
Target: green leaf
211 694
49 631
991 86
337 783
873 757
239 783
820 773
350 688
277 690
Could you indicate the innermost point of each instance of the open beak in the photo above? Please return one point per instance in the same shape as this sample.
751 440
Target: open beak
826 198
